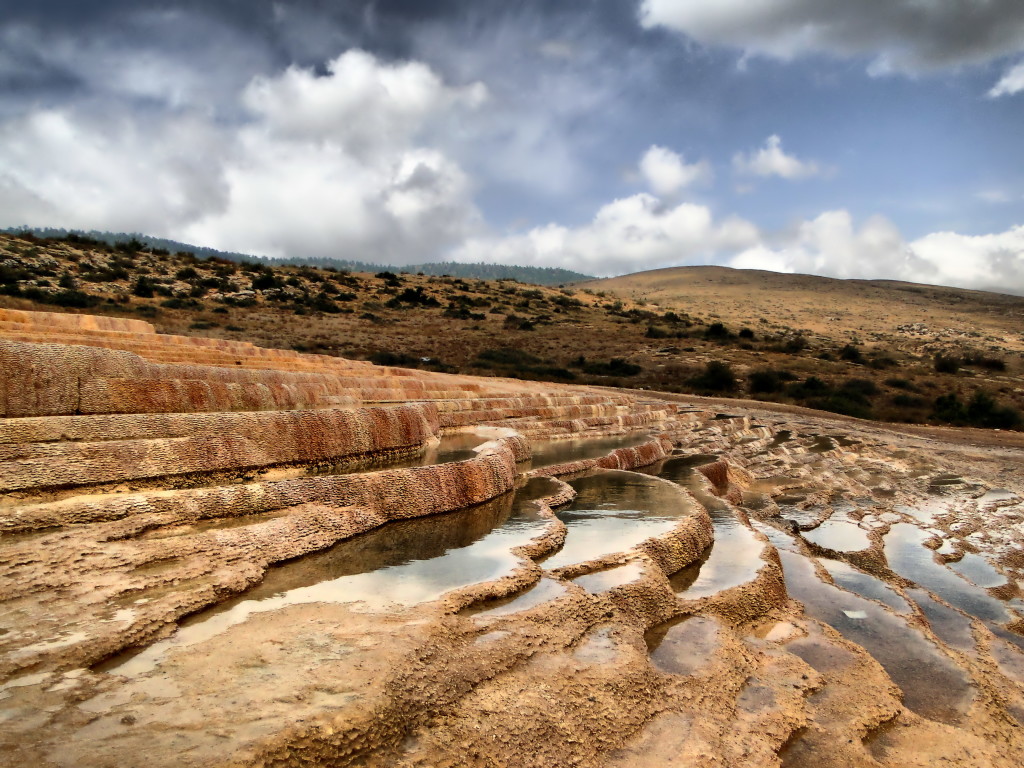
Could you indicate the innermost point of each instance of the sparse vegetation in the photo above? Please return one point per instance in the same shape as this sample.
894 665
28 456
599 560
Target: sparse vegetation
505 328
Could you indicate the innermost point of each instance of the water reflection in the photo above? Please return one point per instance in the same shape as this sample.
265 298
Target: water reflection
548 453
614 511
401 564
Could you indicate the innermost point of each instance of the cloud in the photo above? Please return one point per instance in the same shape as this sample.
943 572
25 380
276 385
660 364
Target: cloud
627 235
771 160
339 164
908 36
666 173
76 170
1012 82
832 245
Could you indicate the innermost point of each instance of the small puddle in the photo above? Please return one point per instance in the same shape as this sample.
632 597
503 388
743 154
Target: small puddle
978 570
734 556
401 564
1009 659
951 627
544 591
614 511
602 581
548 453
685 646
817 650
933 686
839 536
907 555
852 580
925 511
455 447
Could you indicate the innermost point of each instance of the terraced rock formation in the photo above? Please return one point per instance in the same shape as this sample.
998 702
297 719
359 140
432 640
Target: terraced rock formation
217 554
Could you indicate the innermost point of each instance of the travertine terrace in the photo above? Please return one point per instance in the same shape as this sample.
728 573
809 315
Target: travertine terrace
220 554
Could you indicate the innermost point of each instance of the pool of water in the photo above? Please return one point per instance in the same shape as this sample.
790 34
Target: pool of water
839 536
544 591
602 581
907 556
684 646
933 686
733 558
398 565
548 453
978 570
614 511
851 579
951 627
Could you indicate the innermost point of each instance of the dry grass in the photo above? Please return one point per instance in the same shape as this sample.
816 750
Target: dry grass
662 321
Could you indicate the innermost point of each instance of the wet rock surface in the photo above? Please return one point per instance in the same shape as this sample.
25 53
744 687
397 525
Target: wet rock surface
225 555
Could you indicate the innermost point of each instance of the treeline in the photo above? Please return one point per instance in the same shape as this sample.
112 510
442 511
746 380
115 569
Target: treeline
478 271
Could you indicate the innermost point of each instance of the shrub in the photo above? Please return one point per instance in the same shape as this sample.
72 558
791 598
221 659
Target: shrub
851 354
180 303
811 387
617 366
946 363
764 381
716 377
908 401
863 387
717 331
143 287
186 273
984 411
898 383
980 361
746 333
265 281
413 297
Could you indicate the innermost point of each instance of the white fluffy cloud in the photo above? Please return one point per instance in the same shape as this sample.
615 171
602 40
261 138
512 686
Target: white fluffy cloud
771 160
79 171
1011 83
627 235
666 173
322 165
898 35
832 245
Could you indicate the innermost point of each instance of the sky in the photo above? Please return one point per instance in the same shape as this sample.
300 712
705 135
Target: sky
876 139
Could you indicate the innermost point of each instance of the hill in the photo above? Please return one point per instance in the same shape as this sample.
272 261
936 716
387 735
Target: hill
481 270
887 351
821 305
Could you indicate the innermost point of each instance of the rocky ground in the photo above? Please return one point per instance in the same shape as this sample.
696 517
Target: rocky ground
216 554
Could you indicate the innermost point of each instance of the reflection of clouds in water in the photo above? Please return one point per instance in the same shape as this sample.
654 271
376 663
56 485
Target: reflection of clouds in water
593 538
734 559
614 511
448 558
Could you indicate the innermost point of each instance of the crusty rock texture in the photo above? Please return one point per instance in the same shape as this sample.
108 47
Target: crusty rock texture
217 554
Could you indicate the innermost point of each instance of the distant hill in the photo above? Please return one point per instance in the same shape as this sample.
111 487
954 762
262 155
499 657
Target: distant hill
478 271
861 309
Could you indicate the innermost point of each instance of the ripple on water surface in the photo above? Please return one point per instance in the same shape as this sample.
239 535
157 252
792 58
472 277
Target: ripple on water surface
614 511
